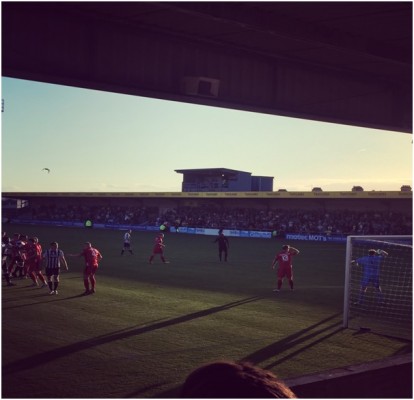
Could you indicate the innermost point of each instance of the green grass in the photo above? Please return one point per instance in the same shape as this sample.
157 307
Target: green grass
148 325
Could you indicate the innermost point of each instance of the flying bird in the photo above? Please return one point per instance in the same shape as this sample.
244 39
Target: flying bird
46 169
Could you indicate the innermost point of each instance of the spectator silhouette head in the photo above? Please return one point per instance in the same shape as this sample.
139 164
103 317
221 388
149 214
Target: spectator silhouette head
227 379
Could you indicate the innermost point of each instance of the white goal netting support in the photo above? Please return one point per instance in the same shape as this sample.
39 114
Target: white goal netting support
378 285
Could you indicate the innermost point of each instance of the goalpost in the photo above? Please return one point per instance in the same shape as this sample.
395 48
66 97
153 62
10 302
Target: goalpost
386 309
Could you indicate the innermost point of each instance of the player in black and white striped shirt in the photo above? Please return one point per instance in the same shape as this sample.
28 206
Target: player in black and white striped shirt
53 257
127 243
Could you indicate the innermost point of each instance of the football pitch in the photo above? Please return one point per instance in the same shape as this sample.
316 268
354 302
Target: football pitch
148 326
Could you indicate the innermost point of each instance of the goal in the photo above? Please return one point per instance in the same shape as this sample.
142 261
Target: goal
386 310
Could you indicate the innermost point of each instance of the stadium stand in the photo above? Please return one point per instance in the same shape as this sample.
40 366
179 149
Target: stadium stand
342 221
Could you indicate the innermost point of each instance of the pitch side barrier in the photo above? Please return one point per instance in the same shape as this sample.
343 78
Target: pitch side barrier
316 238
185 230
190 230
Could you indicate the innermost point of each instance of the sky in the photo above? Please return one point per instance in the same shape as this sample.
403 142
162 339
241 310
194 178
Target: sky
95 141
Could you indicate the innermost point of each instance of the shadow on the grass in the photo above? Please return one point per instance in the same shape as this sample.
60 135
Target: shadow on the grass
294 340
280 346
47 299
49 356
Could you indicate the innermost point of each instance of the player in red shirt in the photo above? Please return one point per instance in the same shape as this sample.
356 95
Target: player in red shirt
92 257
33 261
284 259
158 249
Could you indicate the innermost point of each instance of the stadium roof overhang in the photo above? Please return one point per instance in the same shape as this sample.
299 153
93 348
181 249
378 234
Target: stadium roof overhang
339 62
209 171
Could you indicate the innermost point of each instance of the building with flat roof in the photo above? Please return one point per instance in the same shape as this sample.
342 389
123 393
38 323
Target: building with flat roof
223 180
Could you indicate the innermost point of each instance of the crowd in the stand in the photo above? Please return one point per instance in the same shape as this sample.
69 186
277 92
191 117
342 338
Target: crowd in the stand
293 221
279 220
98 214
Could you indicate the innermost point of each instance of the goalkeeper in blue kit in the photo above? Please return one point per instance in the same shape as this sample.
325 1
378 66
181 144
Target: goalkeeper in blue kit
371 272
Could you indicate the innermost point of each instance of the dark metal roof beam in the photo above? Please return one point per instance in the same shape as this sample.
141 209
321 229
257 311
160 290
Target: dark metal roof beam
246 16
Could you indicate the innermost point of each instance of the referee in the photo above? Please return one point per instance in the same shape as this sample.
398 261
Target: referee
53 258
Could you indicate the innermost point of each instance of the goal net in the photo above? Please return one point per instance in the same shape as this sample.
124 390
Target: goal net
378 285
